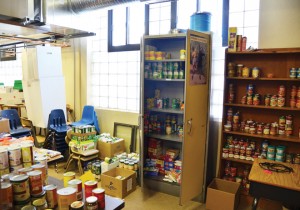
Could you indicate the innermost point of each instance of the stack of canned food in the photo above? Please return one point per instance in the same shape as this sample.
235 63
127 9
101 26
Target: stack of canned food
164 70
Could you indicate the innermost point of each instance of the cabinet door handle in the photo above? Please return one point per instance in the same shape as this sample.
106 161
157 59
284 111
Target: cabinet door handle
189 124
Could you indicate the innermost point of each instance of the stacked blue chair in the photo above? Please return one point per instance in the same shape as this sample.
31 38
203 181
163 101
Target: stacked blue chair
16 128
89 117
57 131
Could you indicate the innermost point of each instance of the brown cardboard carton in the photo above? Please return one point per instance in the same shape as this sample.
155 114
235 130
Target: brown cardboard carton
118 187
110 149
4 125
222 195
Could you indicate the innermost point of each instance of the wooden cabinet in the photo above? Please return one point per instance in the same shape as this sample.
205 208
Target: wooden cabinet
174 110
252 103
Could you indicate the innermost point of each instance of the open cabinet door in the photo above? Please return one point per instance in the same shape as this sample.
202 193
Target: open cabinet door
198 50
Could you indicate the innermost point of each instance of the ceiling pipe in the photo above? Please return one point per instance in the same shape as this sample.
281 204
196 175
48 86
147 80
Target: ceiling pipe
78 6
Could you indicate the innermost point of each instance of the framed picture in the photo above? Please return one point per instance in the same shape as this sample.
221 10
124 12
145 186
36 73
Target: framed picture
8 53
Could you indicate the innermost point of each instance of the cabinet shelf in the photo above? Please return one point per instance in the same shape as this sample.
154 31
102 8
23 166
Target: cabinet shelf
263 79
285 108
165 60
239 160
160 179
172 137
276 137
171 111
166 80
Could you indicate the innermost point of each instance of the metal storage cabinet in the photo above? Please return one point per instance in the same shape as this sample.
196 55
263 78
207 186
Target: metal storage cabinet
193 89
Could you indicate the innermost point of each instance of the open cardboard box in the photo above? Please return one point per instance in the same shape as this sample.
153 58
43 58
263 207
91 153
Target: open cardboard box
118 187
108 149
222 195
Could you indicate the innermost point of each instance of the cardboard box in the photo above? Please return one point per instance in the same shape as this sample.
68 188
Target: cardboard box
118 187
4 125
110 149
106 166
222 195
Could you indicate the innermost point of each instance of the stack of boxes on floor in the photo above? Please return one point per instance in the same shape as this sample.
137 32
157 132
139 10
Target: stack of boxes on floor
159 164
23 184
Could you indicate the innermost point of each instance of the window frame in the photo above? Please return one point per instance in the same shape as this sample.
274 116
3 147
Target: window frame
136 47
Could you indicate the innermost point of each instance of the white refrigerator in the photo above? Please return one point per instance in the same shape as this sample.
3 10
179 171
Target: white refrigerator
43 83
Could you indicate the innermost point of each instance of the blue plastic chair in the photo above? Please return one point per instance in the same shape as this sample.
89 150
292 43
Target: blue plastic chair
57 121
89 117
57 131
16 128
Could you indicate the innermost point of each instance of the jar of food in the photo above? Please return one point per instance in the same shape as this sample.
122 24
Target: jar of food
281 120
274 129
289 120
293 73
281 90
281 129
273 101
259 129
91 203
236 118
267 100
266 130
239 68
280 101
250 89
249 100
245 72
231 69
256 99
247 127
225 152
255 72
252 129
288 130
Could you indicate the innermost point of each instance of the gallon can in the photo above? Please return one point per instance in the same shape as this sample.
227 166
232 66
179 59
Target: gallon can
65 197
51 195
100 194
6 194
42 168
89 186
4 163
27 153
68 176
35 182
20 186
76 184
15 156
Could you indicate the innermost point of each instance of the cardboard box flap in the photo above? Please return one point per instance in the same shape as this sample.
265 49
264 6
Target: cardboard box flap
223 185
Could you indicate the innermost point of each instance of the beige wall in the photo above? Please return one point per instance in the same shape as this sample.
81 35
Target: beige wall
279 25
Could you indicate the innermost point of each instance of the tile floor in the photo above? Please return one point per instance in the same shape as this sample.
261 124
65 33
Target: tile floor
145 199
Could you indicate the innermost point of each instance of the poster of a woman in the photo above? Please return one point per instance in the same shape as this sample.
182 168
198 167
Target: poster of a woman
198 61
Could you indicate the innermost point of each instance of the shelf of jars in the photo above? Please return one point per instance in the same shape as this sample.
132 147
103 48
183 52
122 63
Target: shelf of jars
164 71
262 136
262 107
264 79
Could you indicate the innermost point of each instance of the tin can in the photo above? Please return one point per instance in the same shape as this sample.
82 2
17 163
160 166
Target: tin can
27 153
40 204
281 90
100 194
89 186
266 129
4 160
28 207
267 100
51 195
42 168
15 156
6 195
255 72
245 72
273 101
256 99
293 73
20 186
91 203
35 182
77 205
281 101
289 157
296 159
239 68
244 43
77 184
65 197
41 160
68 176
